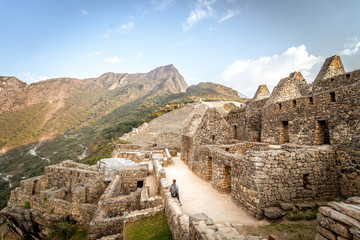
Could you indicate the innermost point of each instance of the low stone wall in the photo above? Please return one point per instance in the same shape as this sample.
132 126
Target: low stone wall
339 220
149 202
123 147
133 156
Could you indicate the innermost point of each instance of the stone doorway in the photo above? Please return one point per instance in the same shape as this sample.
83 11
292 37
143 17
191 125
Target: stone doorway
322 135
284 132
208 175
226 182
235 132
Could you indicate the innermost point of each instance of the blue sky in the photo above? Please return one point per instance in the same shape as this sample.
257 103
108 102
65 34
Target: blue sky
238 43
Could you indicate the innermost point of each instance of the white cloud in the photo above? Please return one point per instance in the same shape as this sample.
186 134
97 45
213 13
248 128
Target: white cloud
124 28
30 77
162 5
229 14
107 34
202 10
84 12
352 46
114 60
246 75
96 53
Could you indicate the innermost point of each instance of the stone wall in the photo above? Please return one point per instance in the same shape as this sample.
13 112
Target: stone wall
132 178
325 112
210 129
339 220
261 176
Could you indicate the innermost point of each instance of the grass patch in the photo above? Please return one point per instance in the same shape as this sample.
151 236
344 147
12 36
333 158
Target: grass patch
2 229
309 214
150 228
284 231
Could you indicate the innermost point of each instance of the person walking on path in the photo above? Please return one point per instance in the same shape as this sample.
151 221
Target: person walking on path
174 190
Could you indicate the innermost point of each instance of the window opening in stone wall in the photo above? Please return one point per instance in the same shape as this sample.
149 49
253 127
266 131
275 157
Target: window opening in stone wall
284 132
213 137
235 131
306 181
227 149
226 182
279 106
332 96
208 175
294 103
348 75
311 101
140 184
34 187
322 135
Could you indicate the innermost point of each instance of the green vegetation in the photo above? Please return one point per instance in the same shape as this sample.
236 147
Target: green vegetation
150 228
208 91
3 228
309 214
27 205
284 231
22 126
62 231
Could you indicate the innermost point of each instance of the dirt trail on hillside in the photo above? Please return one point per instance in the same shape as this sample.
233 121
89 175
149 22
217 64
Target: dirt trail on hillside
198 196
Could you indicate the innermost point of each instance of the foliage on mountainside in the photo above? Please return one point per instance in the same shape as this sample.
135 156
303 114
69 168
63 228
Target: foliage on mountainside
94 140
208 91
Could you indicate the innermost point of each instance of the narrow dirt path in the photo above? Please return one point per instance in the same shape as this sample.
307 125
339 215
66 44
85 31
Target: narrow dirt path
198 196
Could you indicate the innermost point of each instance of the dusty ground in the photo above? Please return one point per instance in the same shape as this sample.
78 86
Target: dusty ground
198 196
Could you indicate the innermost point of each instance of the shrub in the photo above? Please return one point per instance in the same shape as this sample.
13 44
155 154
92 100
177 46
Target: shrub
27 205
63 231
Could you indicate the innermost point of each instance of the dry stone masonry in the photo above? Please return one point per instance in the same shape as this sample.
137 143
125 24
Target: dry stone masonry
299 143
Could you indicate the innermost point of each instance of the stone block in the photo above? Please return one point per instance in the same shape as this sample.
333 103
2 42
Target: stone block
333 214
334 226
326 233
273 212
286 206
305 206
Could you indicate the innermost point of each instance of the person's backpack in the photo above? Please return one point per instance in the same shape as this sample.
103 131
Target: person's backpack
173 191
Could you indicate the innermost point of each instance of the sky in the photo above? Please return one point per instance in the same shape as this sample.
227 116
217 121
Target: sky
237 43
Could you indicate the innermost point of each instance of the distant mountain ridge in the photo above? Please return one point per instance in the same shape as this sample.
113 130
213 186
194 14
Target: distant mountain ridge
55 106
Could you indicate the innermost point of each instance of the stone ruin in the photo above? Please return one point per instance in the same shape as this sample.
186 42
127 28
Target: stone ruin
107 196
299 143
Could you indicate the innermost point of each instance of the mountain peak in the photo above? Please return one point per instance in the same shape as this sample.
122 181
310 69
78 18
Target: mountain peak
166 72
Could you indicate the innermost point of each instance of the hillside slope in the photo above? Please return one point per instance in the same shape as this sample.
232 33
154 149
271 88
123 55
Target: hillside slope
45 109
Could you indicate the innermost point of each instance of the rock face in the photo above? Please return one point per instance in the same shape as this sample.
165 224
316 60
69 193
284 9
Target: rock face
31 223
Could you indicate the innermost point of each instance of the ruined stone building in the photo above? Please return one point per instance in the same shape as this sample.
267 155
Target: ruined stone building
299 143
